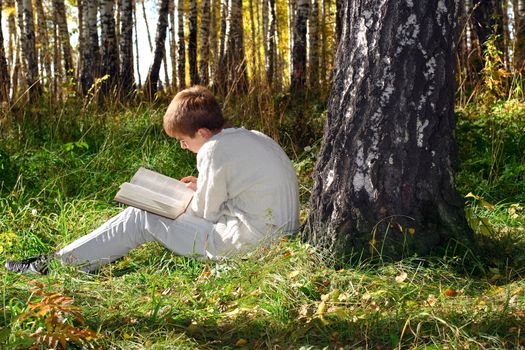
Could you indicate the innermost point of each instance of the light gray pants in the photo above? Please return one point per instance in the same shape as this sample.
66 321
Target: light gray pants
188 235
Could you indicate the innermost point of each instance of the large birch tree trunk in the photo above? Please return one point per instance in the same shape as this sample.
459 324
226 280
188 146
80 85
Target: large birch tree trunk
150 85
384 181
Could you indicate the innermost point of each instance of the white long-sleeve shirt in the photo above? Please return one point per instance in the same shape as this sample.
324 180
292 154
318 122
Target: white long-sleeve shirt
247 187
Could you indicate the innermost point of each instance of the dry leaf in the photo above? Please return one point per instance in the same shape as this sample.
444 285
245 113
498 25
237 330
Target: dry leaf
431 300
401 277
241 342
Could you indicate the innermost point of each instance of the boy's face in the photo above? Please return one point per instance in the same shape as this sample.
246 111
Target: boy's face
193 143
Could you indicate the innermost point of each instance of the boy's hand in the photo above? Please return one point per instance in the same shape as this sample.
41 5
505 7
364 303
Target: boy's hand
190 181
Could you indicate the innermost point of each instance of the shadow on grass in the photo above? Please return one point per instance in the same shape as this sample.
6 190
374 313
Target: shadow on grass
500 330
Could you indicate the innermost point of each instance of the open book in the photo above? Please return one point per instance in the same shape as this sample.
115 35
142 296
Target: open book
156 193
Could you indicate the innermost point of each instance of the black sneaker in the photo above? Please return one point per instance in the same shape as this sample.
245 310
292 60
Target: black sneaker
36 265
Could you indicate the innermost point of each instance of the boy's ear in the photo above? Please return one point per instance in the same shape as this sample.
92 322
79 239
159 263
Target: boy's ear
205 133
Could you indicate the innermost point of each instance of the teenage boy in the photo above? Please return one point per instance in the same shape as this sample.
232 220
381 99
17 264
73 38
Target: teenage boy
246 194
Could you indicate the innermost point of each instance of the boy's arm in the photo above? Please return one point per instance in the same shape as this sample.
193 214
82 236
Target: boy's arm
211 193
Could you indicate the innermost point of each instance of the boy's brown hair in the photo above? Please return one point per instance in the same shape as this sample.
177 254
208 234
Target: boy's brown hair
192 109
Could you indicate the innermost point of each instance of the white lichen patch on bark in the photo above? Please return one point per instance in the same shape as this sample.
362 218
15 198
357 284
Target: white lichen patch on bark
407 33
329 179
420 129
430 71
441 15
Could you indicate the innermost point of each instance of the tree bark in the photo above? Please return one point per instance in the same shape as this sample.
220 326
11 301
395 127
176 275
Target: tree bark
61 21
29 54
298 74
205 43
126 74
150 86
192 43
90 47
43 48
4 73
109 52
313 47
519 40
173 43
234 51
181 54
384 181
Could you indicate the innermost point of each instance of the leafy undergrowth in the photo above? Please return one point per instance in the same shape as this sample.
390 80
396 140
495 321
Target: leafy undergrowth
283 297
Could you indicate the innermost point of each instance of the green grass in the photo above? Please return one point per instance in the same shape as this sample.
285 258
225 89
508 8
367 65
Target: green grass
58 182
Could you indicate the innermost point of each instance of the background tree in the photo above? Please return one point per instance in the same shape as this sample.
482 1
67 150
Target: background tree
4 75
519 46
150 85
43 47
313 46
234 60
192 43
127 79
181 53
204 42
90 48
29 54
384 181
109 52
298 73
65 44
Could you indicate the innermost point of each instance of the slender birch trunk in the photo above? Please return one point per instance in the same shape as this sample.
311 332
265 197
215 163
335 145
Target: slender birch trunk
253 44
29 53
221 71
205 43
126 74
173 43
63 36
4 74
519 40
298 73
44 49
313 47
137 57
150 86
146 23
181 54
109 47
234 51
192 43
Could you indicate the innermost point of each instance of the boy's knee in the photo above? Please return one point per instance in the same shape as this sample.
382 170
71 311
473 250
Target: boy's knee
133 213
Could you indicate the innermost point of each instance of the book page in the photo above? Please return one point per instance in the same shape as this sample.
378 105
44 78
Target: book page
141 197
155 193
161 183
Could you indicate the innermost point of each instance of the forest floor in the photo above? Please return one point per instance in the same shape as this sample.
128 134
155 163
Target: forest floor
59 179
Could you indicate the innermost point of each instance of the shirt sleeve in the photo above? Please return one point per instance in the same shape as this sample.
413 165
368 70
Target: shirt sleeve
210 198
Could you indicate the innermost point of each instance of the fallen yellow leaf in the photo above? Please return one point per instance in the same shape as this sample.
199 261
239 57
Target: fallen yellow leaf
241 342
